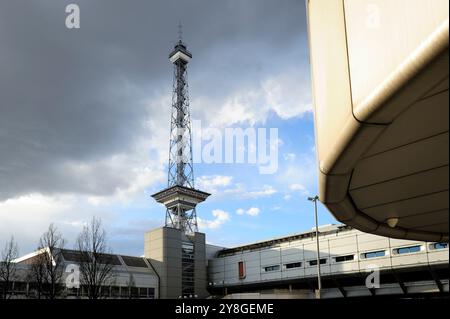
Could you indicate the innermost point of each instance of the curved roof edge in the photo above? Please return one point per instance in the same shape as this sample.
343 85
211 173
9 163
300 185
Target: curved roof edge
368 120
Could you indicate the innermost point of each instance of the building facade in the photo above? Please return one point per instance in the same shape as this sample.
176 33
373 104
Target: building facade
131 277
180 261
286 267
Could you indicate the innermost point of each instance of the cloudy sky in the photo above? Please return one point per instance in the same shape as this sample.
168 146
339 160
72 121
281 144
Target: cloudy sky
84 116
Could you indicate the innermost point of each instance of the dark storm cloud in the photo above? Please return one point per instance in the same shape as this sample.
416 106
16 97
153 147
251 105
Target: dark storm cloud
75 96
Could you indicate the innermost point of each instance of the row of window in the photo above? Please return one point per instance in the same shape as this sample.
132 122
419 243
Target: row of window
30 290
366 255
294 265
404 250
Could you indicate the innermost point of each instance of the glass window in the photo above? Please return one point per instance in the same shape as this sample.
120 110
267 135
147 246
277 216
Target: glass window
293 265
151 293
340 259
440 245
143 292
374 254
314 262
134 292
125 291
20 286
104 291
407 250
72 291
187 271
115 291
272 268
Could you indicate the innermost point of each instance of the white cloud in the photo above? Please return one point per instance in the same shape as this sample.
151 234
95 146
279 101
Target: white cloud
289 157
212 183
240 191
287 197
220 217
300 174
299 188
33 207
239 108
286 97
282 94
27 217
252 211
266 191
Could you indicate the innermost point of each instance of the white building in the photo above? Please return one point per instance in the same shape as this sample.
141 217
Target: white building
132 277
287 266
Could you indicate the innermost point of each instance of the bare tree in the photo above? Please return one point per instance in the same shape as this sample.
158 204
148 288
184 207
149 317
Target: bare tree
47 267
53 243
8 266
96 261
131 284
37 273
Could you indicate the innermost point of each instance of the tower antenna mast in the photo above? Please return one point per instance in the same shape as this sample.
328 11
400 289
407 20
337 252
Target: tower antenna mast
180 32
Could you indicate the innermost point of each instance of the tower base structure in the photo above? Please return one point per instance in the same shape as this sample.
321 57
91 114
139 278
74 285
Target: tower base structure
180 262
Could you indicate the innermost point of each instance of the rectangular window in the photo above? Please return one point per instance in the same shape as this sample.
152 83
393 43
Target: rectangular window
241 268
151 293
187 268
341 259
142 292
125 291
134 292
440 245
272 268
293 265
375 254
314 262
20 286
407 250
115 291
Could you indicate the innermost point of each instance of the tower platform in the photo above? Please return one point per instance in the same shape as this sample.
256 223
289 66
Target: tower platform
177 196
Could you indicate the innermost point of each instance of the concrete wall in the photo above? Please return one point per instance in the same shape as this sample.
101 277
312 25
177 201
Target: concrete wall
163 247
201 281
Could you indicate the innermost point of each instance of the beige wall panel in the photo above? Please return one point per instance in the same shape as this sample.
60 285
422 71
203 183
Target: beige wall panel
331 89
396 25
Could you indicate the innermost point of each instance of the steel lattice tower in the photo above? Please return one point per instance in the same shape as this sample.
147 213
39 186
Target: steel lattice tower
180 197
180 149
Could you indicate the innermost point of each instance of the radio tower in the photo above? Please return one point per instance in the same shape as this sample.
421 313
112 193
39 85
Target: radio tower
180 197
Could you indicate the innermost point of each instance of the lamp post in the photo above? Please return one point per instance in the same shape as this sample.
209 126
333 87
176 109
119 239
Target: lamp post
319 281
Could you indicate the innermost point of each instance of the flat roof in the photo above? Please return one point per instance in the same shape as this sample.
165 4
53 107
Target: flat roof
325 229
